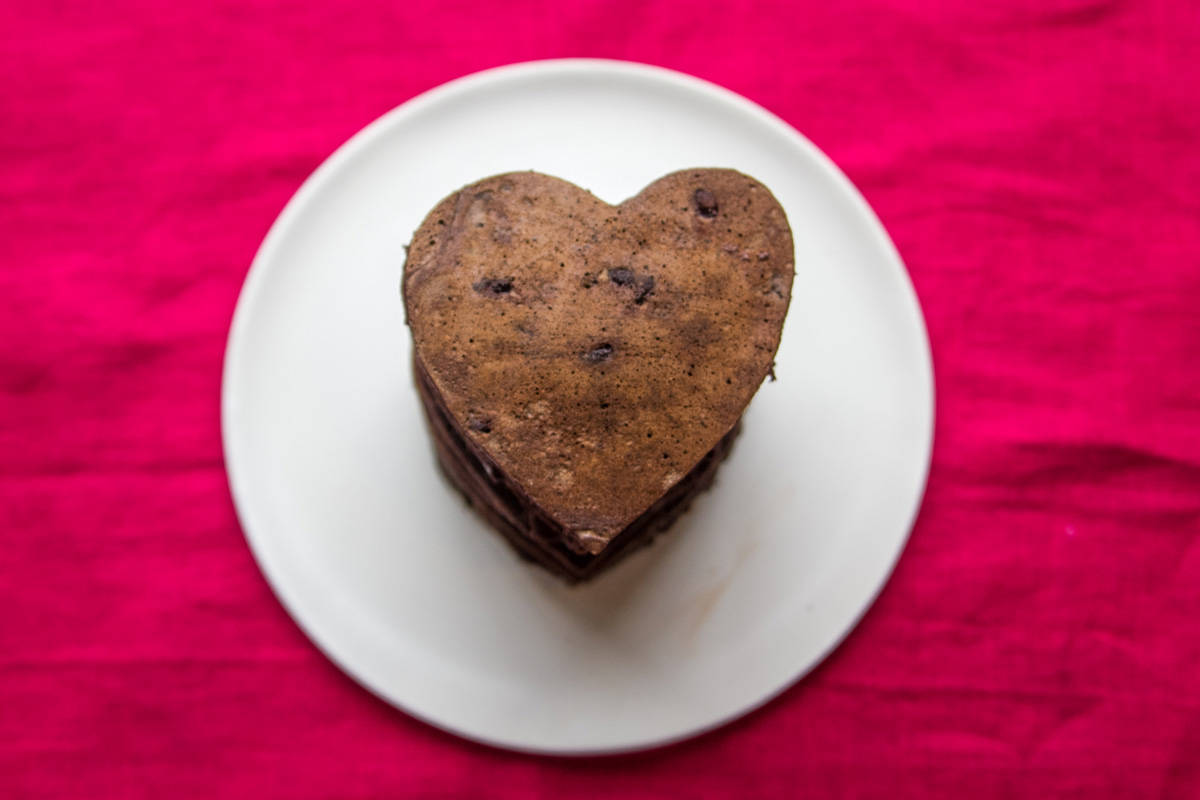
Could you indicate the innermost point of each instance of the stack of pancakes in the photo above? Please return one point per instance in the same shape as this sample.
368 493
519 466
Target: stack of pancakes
583 366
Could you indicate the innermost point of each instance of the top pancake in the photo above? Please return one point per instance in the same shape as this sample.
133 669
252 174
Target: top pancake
596 353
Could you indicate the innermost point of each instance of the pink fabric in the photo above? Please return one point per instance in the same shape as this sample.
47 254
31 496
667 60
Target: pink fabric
1039 168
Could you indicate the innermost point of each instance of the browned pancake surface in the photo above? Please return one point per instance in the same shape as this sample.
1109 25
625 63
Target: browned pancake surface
596 353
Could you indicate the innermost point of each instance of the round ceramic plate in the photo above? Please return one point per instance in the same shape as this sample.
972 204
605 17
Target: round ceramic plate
391 574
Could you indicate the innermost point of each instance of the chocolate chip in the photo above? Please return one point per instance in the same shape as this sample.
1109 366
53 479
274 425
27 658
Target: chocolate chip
601 352
706 203
493 286
645 289
479 424
621 276
763 255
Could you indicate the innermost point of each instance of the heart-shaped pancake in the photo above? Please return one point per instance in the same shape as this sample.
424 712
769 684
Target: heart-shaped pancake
584 365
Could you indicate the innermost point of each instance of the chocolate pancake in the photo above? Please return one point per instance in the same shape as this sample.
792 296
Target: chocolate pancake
584 366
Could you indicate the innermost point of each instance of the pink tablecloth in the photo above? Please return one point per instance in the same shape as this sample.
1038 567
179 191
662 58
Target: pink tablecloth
1039 169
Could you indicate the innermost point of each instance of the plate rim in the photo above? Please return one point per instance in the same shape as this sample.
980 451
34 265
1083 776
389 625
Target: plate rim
315 182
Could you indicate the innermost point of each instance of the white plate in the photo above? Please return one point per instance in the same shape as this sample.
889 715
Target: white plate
399 583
